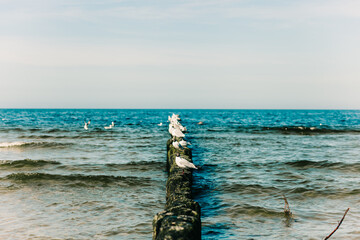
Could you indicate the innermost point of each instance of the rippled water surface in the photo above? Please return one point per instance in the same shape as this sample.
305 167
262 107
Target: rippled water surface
58 180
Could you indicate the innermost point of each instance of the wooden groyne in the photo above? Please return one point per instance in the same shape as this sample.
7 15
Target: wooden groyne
181 217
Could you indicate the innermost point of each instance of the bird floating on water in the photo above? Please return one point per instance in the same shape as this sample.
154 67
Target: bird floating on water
160 124
86 125
183 163
110 126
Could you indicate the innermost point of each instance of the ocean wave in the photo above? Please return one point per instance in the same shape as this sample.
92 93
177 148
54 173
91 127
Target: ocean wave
215 130
11 144
56 137
57 130
20 144
250 210
35 130
26 163
313 191
302 164
11 129
249 188
305 164
79 179
304 130
141 166
46 136
138 165
296 191
322 191
37 136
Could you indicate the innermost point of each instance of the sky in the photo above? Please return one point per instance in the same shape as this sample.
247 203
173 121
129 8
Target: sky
243 54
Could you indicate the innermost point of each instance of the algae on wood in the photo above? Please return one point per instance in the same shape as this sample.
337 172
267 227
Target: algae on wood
181 218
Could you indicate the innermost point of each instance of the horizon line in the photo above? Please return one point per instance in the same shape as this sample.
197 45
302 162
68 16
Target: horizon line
65 108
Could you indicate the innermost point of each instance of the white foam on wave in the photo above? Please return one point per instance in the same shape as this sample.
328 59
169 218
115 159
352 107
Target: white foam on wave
11 144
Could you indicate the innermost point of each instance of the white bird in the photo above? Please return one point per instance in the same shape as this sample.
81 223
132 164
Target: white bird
178 125
176 144
170 128
160 124
183 163
86 126
182 128
175 116
184 143
110 126
176 132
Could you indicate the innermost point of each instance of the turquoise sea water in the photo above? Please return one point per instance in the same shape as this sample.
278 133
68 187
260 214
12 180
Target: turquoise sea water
60 181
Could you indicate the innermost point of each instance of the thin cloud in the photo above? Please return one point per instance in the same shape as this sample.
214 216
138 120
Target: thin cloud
35 53
180 10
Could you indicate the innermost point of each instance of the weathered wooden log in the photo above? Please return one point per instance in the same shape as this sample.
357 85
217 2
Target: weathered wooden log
181 218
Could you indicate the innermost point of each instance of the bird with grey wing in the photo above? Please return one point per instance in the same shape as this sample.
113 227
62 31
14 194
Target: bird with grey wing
183 163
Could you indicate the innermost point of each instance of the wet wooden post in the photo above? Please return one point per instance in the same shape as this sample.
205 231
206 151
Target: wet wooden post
181 218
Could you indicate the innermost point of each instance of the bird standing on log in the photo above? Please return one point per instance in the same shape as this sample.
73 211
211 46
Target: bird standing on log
183 163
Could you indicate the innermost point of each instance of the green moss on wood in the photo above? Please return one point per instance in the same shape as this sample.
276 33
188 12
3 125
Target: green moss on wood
182 216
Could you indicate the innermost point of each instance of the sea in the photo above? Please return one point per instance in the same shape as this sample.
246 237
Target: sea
61 181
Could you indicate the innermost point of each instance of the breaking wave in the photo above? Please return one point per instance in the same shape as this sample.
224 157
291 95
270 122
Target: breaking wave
34 144
12 144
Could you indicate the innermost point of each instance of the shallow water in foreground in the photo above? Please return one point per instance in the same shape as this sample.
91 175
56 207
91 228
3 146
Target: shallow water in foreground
60 181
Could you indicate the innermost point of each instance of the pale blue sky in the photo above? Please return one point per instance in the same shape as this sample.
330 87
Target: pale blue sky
180 54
